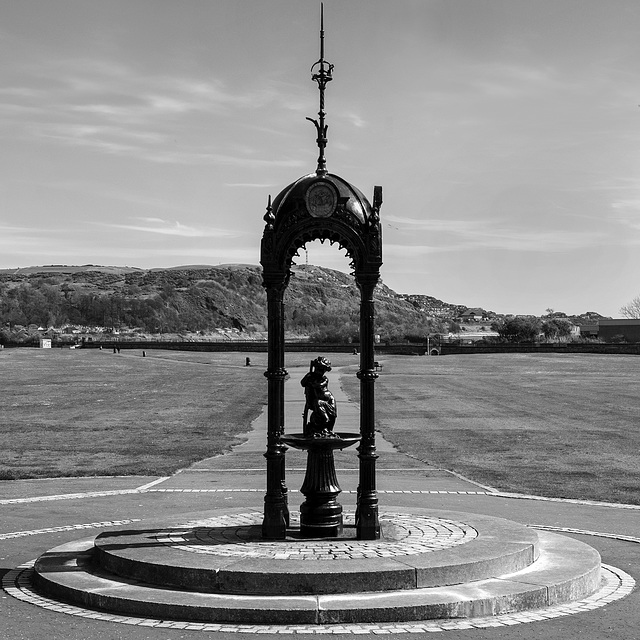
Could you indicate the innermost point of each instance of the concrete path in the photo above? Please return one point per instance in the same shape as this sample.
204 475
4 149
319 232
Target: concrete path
39 514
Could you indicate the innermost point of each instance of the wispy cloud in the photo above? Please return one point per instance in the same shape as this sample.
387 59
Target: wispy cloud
253 185
505 80
10 110
18 245
135 100
117 192
6 228
457 235
627 205
111 137
205 158
115 110
627 212
148 146
172 228
428 224
354 119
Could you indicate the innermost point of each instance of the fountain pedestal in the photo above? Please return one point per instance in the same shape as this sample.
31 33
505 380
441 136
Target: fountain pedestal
320 513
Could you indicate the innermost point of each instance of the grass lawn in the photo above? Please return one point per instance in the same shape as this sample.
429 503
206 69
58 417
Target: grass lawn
556 425
90 412
75 412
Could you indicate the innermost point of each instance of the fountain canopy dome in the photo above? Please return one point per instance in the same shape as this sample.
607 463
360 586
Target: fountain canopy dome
321 196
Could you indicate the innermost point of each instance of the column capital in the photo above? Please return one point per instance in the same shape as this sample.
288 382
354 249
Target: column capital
275 280
367 278
276 374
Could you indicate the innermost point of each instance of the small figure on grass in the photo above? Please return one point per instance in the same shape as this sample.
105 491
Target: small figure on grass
319 401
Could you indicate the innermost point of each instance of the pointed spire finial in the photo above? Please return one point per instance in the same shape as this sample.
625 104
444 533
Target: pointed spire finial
268 217
322 76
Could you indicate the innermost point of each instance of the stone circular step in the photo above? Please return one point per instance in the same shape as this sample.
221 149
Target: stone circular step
225 553
565 571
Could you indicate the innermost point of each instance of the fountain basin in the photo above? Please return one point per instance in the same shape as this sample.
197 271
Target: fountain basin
320 513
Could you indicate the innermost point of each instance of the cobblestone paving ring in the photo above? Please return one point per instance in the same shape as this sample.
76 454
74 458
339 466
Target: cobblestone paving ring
240 535
616 584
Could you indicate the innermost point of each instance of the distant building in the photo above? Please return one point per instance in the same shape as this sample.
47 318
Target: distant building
45 343
472 315
575 331
619 328
589 330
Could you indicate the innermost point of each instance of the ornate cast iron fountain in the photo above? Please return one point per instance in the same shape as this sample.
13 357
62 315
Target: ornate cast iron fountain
320 206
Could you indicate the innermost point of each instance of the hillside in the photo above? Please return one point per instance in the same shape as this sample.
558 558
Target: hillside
320 302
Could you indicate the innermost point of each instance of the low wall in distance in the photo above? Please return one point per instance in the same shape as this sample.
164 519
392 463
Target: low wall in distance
249 346
234 346
444 349
567 347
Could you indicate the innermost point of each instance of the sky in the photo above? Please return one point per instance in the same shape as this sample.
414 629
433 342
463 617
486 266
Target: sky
505 135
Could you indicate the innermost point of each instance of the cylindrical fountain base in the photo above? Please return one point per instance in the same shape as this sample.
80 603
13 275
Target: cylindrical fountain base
320 513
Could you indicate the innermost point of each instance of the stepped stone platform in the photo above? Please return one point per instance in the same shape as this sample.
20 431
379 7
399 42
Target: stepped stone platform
215 567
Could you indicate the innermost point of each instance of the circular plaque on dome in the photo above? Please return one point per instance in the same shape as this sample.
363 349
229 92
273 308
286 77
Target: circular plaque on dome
321 199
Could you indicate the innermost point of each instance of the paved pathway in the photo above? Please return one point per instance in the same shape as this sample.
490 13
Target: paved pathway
39 514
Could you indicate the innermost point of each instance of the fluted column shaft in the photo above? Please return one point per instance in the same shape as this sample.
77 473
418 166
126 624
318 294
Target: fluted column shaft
367 522
276 512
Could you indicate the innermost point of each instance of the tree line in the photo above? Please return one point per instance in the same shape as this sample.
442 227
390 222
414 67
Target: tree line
173 302
320 304
529 329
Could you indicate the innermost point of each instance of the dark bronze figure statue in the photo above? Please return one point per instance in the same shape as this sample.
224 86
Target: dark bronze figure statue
319 400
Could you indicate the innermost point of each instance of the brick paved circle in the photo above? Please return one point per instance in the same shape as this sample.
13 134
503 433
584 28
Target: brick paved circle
240 535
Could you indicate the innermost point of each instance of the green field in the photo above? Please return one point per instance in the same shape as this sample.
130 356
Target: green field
556 425
74 412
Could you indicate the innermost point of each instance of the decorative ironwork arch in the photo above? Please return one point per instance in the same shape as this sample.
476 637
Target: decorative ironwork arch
346 239
309 235
354 225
